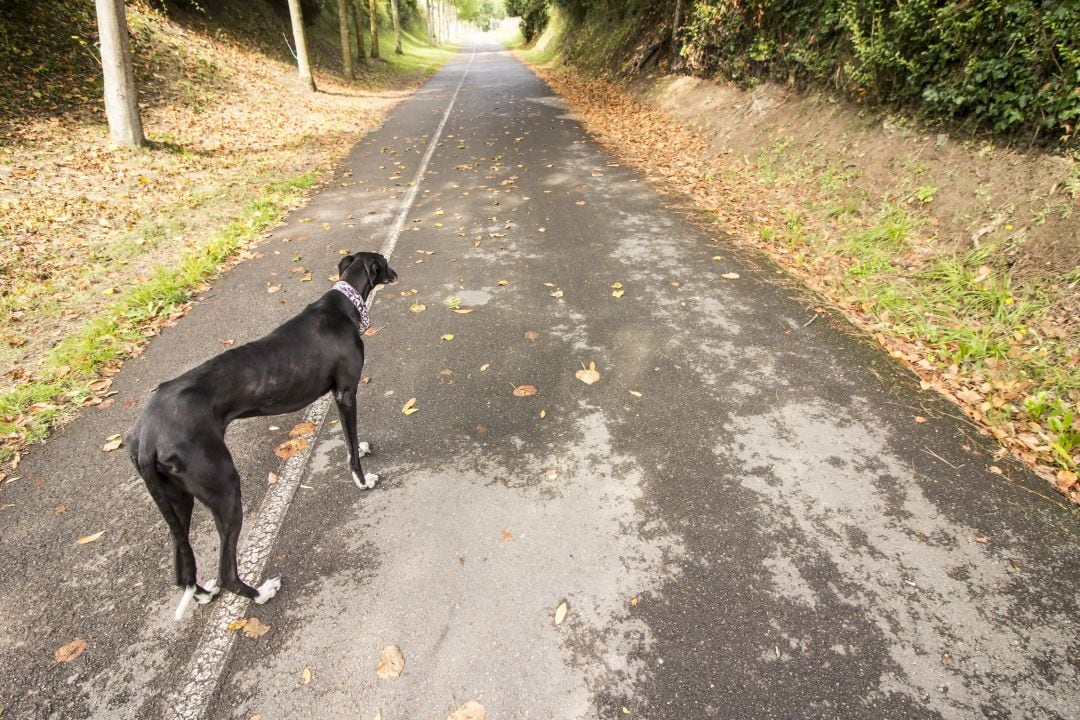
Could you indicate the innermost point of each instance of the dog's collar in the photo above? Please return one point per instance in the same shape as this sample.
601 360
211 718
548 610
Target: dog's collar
358 302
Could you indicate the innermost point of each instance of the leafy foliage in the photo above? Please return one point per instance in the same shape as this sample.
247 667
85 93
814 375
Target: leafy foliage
533 14
1010 66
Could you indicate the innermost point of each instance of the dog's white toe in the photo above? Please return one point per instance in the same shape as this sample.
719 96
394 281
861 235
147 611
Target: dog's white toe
268 590
185 600
212 591
364 449
369 480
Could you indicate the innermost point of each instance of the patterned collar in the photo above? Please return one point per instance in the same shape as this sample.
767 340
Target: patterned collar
358 302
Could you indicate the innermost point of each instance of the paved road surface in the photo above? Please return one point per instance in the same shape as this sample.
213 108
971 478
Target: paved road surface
742 516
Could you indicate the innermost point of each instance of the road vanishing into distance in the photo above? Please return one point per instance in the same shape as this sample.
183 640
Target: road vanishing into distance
739 517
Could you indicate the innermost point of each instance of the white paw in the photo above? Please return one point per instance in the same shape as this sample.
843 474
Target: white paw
364 449
367 483
185 600
212 591
268 590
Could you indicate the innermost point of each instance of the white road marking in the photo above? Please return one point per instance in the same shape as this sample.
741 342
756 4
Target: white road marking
208 660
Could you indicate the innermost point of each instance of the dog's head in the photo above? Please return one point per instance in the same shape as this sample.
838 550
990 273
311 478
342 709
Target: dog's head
365 270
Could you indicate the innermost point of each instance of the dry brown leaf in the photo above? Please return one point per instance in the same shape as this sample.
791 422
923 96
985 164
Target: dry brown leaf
532 335
67 653
525 391
471 710
508 536
271 479
391 662
89 538
588 375
409 407
290 448
304 428
254 628
113 442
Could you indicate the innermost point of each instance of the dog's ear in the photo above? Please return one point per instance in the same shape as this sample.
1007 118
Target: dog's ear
374 266
344 264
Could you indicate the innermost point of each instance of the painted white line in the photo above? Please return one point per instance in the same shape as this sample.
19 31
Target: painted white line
208 660
410 197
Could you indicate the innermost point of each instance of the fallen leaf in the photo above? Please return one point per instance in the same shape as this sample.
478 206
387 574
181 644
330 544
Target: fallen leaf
543 414
304 428
391 662
465 311
417 308
290 448
633 602
112 445
484 367
532 335
447 337
982 539
271 479
730 276
617 293
588 375
305 675
508 536
273 289
471 710
616 285
560 613
557 294
504 283
920 419
89 538
408 293
551 473
525 391
67 653
409 407
236 624
635 393
254 628
1065 480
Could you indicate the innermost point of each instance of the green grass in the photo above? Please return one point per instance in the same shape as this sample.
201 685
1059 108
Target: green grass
30 410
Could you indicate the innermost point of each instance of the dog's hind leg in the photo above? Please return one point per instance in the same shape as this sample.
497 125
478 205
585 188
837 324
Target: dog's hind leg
182 504
225 503
346 404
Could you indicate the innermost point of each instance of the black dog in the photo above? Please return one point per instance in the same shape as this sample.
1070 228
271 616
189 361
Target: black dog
178 443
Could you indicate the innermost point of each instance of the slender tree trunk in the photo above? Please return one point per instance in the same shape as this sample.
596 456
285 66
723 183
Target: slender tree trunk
675 35
300 39
374 12
430 25
121 95
445 15
346 46
358 29
397 27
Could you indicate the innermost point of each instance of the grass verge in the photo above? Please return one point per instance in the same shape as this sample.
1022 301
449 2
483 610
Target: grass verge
71 374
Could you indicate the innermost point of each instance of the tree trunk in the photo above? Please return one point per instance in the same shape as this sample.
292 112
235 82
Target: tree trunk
675 36
430 25
300 39
397 27
346 46
374 12
358 29
121 95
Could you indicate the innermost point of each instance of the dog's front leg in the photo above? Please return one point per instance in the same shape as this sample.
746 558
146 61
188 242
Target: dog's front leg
346 405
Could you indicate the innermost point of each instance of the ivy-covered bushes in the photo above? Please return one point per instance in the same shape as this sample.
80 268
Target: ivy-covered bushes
1010 66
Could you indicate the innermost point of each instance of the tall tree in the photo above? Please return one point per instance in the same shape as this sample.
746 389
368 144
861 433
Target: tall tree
397 26
121 95
373 10
358 29
302 64
430 25
346 46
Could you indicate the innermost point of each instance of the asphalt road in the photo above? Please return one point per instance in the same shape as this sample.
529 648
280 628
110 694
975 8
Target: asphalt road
742 515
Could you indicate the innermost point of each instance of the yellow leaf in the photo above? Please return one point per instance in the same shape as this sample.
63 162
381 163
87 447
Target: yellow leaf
447 337
408 293
525 391
588 375
543 414
617 293
635 393
112 445
504 283
89 538
616 285
560 613
304 428
391 662
67 653
237 624
409 407
305 675
484 367
557 294
730 276
417 308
